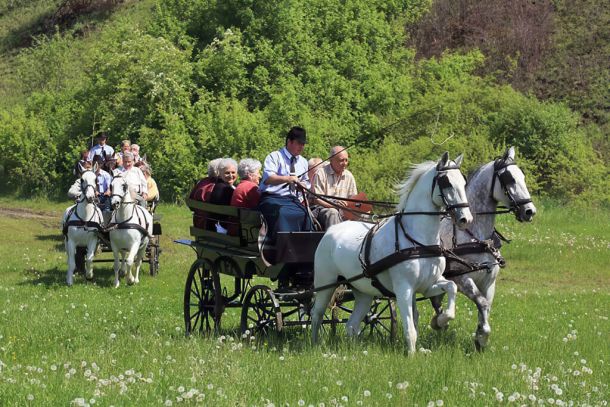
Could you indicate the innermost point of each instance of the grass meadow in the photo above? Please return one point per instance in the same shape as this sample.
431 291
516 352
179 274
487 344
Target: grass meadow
91 344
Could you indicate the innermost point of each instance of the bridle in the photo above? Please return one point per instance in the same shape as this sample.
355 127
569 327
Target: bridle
442 180
84 186
506 180
121 196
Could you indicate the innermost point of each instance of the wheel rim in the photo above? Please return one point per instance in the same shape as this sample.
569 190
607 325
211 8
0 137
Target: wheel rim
261 312
200 299
380 321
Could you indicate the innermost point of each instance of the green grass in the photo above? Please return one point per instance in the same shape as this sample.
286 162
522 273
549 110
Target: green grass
127 346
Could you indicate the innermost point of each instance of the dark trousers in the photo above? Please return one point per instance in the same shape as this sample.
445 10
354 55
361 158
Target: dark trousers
283 214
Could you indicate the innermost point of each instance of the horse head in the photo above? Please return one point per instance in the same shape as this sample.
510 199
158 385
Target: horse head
510 188
120 191
449 190
88 185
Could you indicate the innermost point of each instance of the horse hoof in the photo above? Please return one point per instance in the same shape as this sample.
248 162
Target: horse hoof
89 276
434 324
136 281
122 273
116 284
442 321
130 281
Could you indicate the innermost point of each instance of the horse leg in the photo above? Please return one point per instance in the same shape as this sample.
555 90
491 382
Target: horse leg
449 287
321 300
129 264
483 301
404 300
71 252
437 304
91 246
362 305
138 263
117 264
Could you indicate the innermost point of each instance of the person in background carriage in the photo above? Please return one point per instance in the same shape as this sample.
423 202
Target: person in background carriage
125 148
75 190
101 149
153 191
202 190
135 150
84 157
246 194
135 179
104 179
336 180
280 202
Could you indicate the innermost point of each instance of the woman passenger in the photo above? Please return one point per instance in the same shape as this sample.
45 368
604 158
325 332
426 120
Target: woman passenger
246 194
223 191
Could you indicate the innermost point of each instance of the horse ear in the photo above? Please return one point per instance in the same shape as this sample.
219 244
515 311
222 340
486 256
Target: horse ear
144 158
95 166
458 160
443 161
509 154
81 169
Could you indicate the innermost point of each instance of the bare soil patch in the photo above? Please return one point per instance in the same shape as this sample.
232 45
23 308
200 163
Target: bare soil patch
27 214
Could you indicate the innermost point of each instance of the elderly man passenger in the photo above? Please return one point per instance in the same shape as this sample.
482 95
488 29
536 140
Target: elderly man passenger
135 179
246 194
336 180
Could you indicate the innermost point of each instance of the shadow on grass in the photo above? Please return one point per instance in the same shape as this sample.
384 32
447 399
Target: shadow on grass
56 277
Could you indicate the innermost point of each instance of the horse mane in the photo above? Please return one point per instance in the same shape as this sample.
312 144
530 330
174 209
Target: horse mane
404 188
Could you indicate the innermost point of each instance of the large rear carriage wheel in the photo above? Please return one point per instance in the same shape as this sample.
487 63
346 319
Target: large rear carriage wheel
203 305
261 312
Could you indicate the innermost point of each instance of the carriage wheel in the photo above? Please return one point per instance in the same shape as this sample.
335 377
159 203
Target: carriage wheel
202 300
153 256
381 319
261 311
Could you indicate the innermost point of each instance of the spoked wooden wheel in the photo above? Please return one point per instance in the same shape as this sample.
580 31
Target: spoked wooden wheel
261 311
202 299
153 255
380 321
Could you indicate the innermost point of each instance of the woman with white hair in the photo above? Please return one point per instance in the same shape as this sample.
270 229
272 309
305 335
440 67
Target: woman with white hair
223 190
246 194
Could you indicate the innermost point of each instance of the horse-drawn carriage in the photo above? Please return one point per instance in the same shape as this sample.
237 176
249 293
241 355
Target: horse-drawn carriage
130 231
407 252
230 271
153 249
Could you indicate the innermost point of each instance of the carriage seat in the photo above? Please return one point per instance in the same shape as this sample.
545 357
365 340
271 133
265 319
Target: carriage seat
244 225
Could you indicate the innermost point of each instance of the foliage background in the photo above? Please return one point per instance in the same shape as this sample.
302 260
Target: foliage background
194 80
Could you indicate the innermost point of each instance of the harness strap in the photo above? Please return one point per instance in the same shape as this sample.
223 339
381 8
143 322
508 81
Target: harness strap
83 224
125 225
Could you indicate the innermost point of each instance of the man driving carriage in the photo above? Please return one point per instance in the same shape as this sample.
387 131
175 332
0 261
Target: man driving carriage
280 201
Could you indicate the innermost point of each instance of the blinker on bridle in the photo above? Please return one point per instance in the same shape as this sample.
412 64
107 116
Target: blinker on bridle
506 180
442 179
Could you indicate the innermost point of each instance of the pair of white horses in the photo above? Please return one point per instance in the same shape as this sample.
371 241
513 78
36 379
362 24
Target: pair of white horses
130 227
420 234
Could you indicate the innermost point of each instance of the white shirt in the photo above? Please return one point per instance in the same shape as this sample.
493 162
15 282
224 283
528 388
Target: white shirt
278 163
136 180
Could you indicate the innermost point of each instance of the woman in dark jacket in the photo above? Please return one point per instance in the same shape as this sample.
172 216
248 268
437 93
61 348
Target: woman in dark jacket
223 192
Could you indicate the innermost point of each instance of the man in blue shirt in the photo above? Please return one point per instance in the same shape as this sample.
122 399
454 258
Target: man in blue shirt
101 149
280 201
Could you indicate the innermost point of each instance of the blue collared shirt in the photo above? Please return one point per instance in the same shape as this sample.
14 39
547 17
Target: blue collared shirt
97 150
278 163
103 181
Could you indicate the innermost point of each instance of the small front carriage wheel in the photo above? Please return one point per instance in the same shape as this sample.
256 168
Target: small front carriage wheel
153 256
261 311
380 321
202 299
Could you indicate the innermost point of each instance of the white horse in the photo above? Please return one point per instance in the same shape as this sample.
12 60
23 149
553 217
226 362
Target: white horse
130 229
409 239
81 223
498 182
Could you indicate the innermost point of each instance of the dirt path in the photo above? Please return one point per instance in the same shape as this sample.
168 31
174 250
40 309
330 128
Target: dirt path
27 214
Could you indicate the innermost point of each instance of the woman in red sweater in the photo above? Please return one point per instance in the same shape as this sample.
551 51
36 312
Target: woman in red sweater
246 195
